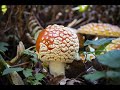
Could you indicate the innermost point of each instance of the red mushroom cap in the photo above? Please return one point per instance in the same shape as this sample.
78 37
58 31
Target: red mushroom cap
57 43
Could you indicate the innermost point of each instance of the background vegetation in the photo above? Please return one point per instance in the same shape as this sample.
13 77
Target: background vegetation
19 64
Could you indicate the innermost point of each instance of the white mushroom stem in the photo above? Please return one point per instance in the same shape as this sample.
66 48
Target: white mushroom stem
57 68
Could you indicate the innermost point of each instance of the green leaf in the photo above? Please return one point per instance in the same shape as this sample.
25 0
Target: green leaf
28 52
1 58
3 65
39 76
11 70
113 74
32 54
27 72
94 76
36 82
34 60
101 49
111 59
98 42
30 80
3 46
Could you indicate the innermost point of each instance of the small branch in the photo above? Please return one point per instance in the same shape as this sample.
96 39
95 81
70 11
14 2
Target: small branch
20 64
79 75
31 47
72 23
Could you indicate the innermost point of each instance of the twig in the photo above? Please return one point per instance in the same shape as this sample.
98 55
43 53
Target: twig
20 64
31 47
72 23
80 75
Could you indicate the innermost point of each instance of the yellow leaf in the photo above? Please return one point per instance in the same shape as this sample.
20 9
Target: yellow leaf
4 8
83 8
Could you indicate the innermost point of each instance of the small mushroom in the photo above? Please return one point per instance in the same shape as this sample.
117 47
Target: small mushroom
100 29
114 45
57 45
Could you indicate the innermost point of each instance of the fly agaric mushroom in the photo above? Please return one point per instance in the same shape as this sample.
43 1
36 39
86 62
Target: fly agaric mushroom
114 45
100 29
57 45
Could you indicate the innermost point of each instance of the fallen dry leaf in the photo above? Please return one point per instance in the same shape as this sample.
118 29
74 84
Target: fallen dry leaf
67 81
16 79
